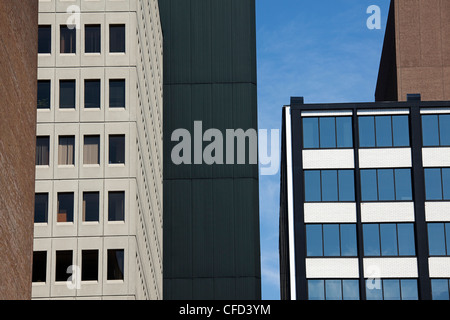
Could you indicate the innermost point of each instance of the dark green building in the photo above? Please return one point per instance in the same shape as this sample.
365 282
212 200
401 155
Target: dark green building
211 212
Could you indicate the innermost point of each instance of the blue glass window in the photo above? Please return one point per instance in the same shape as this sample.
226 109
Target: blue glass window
437 183
384 131
386 185
371 234
331 240
348 240
316 290
408 289
366 132
314 240
392 289
329 185
389 239
333 289
327 132
388 232
440 289
436 130
438 239
400 129
350 289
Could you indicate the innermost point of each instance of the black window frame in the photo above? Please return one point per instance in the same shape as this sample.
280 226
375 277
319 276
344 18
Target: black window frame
378 189
321 189
392 131
335 134
397 240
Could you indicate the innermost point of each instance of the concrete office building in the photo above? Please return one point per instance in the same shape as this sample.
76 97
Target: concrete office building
211 212
365 201
18 36
99 151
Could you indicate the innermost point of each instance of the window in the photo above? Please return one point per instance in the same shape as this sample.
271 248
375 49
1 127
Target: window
331 240
67 98
384 131
115 264
117 93
42 151
392 289
436 130
439 239
386 185
39 273
64 259
327 132
116 206
117 149
66 150
440 289
92 36
333 289
389 239
44 39
41 208
89 265
91 206
91 150
68 39
117 38
65 207
437 184
329 185
43 94
92 94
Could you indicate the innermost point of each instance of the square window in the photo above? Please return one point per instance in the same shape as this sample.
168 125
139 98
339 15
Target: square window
45 39
92 36
67 99
66 150
92 93
117 38
117 93
42 151
65 207
39 266
116 206
64 260
115 267
91 150
117 149
68 41
91 206
89 265
41 208
43 94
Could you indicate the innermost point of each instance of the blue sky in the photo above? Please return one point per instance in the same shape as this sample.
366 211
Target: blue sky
323 51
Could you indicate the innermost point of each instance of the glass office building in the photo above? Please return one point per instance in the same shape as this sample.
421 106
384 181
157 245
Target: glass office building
365 210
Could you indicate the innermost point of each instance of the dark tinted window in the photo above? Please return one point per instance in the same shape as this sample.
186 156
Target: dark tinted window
43 94
117 38
92 93
41 208
92 36
68 40
45 39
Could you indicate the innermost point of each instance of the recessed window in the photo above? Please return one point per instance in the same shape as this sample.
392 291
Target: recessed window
68 39
329 186
92 93
91 149
45 39
331 240
64 259
43 94
331 289
116 264
41 208
327 132
440 289
67 92
42 150
389 239
386 185
92 36
384 131
89 265
117 93
437 184
39 266
392 289
436 130
66 150
439 239
117 149
117 38
91 206
116 206
65 207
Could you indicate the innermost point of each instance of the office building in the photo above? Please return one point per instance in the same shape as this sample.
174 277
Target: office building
18 36
98 213
211 212
365 201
